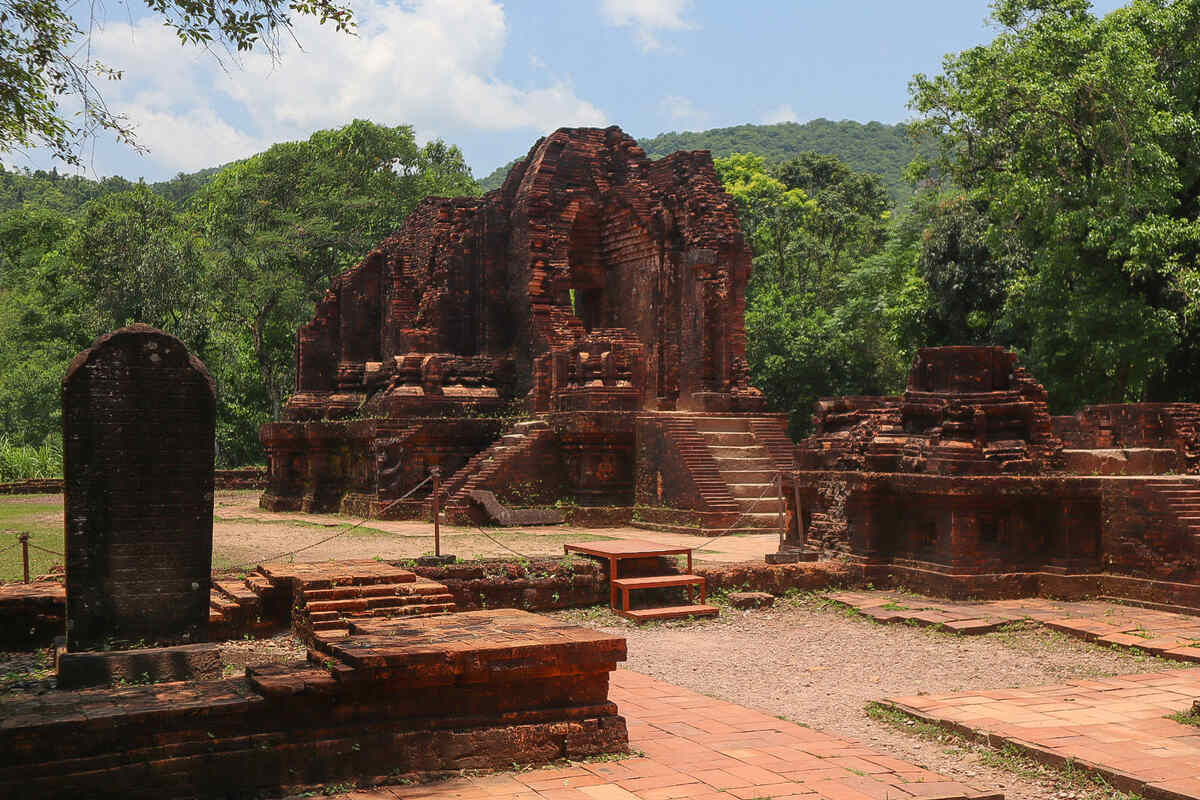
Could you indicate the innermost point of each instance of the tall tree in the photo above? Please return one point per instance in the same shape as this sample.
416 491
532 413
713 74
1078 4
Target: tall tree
280 224
1077 135
817 314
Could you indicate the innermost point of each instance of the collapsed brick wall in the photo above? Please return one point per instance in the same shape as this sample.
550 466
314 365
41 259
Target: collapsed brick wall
536 584
1167 426
139 416
587 234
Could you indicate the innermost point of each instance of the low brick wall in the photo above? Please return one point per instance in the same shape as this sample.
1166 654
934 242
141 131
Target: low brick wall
778 579
32 614
540 584
240 478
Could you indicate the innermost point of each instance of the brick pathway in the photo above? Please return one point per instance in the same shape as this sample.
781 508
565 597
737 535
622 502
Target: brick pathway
699 748
1115 726
1162 633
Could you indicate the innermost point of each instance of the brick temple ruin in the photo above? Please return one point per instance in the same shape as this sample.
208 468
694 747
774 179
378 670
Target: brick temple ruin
597 293
967 485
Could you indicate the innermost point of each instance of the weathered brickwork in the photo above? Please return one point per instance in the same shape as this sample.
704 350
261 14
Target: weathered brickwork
138 430
966 483
384 699
593 287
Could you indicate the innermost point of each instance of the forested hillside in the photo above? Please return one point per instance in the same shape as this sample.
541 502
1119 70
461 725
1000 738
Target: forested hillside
231 260
884 150
1059 217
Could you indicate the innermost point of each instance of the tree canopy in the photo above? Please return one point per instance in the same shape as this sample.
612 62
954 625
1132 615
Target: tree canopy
1075 139
42 64
233 271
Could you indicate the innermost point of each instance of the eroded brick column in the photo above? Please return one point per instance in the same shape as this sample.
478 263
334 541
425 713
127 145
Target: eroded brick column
138 430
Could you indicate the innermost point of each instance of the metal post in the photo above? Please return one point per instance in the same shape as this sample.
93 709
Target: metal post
801 533
782 503
23 538
437 490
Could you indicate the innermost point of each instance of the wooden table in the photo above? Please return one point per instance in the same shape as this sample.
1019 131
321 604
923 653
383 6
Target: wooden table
617 549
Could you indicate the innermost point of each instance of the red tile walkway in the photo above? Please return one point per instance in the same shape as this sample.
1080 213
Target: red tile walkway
1162 633
1114 726
699 748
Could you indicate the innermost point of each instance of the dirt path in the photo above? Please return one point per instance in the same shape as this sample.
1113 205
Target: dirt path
244 534
819 667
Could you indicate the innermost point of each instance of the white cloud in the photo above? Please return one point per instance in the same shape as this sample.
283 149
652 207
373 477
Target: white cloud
783 113
647 17
428 63
682 109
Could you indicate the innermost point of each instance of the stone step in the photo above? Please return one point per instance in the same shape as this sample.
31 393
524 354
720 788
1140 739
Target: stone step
740 464
224 605
722 424
531 425
744 477
404 611
762 489
670 612
753 451
240 593
328 625
772 505
259 584
729 439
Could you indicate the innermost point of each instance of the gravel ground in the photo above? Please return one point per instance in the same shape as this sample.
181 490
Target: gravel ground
818 665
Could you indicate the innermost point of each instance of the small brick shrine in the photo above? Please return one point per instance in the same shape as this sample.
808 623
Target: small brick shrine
967 485
138 446
597 291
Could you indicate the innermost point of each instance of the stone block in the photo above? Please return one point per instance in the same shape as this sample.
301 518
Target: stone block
751 599
146 665
139 416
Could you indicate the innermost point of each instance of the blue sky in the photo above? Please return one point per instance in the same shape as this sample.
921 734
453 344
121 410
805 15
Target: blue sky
491 77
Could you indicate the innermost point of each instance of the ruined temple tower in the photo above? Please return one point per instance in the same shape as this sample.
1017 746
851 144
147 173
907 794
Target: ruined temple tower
598 294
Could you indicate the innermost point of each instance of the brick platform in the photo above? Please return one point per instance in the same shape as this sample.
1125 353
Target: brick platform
699 748
421 696
1113 726
1163 633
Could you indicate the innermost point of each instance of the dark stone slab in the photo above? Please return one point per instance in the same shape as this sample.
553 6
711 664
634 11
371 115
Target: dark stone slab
138 431
497 512
148 665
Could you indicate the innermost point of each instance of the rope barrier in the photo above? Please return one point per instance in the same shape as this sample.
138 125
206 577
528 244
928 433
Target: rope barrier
44 550
729 531
502 544
342 532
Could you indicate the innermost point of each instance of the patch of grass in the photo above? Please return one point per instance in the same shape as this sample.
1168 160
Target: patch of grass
1080 783
1187 717
892 605
41 517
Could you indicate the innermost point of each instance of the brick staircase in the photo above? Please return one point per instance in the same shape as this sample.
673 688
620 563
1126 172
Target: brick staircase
486 465
747 466
1185 419
323 596
705 470
1183 498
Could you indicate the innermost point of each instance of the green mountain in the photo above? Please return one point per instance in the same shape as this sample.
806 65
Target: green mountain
874 147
